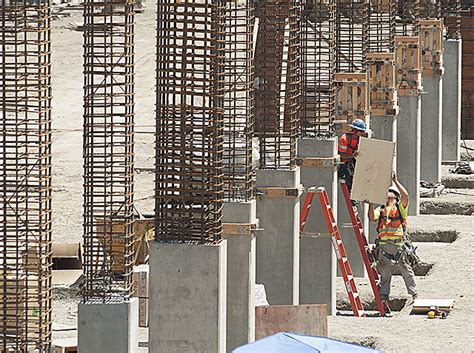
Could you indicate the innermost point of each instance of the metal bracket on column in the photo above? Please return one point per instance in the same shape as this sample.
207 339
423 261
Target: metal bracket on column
247 229
273 192
322 162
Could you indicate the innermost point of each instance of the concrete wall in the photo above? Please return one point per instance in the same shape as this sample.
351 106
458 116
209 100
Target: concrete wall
431 128
188 297
318 265
241 272
108 327
278 240
452 100
409 149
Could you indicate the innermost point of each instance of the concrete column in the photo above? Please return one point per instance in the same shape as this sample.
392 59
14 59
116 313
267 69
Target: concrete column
384 127
409 149
241 272
188 297
452 100
278 242
108 327
318 263
431 127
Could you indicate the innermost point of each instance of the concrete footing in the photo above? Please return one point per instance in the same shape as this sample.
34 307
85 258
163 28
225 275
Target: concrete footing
278 240
241 272
108 327
409 149
318 264
431 125
452 100
188 297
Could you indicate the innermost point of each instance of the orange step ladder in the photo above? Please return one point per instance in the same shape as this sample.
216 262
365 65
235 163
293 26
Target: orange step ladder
338 246
369 260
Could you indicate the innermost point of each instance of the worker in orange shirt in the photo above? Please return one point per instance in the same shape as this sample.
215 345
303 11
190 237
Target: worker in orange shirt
348 151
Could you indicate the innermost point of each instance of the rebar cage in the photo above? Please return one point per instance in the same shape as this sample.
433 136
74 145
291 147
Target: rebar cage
25 174
239 173
277 82
382 25
318 64
108 148
408 11
190 120
451 13
352 20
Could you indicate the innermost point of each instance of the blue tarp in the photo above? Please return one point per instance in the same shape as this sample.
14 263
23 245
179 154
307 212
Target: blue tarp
285 342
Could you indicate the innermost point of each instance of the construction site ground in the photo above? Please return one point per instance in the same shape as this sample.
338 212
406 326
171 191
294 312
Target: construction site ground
444 240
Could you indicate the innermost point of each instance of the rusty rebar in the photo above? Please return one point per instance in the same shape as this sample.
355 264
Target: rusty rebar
25 174
318 65
190 120
382 25
352 25
451 13
238 102
408 12
108 148
277 82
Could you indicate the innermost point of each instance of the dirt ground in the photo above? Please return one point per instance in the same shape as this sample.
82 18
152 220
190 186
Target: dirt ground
450 277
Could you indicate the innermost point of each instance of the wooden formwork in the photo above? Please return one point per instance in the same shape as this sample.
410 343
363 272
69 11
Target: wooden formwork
431 38
383 99
408 65
351 99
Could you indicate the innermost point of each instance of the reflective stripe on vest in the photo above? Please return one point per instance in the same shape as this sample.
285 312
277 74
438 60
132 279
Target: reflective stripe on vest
391 227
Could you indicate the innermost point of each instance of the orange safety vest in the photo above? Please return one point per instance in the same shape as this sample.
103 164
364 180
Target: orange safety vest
391 226
348 144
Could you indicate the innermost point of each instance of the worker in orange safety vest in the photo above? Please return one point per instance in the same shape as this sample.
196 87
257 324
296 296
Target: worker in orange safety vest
348 151
393 247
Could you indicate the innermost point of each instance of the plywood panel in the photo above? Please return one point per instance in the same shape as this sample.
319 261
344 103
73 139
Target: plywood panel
303 319
373 172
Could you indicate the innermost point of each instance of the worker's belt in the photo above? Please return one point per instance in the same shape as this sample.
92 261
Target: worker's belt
395 257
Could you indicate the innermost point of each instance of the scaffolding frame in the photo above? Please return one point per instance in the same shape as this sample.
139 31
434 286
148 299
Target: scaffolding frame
108 149
277 82
25 174
318 64
190 90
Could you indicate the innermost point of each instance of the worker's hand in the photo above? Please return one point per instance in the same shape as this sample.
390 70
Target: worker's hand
394 176
356 154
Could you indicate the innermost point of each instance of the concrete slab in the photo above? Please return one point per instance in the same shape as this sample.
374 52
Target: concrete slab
241 273
278 241
431 128
302 319
108 327
188 297
409 149
452 100
318 265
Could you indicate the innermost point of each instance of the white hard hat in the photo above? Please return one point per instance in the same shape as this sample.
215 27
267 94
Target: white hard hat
395 190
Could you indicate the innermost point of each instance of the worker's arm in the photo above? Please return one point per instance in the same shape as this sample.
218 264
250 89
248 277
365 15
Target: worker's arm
404 198
371 213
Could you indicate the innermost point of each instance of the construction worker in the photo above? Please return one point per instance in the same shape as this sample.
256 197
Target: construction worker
348 151
393 248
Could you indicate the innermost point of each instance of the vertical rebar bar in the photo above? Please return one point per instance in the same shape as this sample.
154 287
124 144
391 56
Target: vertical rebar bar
189 120
277 82
25 174
238 101
318 64
108 148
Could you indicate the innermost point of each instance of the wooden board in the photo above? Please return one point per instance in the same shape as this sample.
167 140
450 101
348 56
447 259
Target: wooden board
422 306
373 172
302 319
